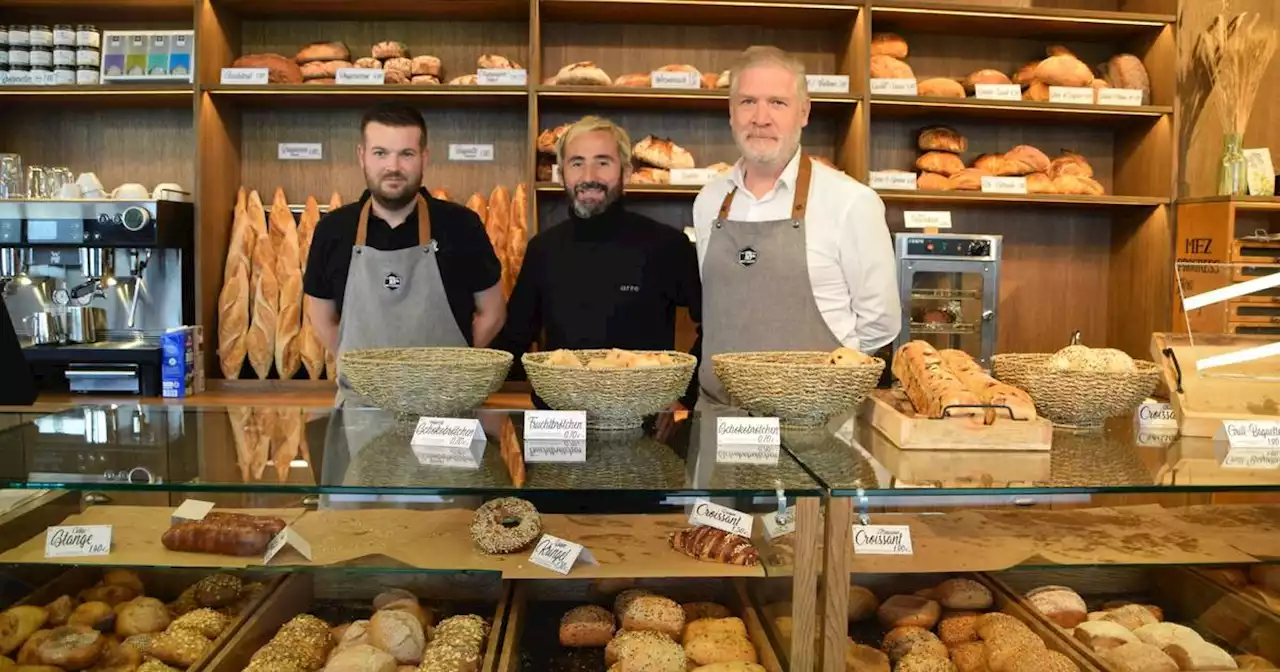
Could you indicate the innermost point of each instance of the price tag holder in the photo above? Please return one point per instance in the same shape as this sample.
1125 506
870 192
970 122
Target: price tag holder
1120 97
892 179
695 176
287 537
748 432
778 525
555 450
458 152
299 151
1004 185
239 76
894 87
502 77
555 425
827 83
189 511
360 77
1005 92
882 540
1075 95
559 555
747 454
1253 433
915 219
661 79
721 517
447 433
74 541
1154 414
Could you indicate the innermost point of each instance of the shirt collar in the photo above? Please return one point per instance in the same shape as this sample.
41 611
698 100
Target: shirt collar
787 178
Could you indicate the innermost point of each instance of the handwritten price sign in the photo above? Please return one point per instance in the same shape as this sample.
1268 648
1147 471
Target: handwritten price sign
74 541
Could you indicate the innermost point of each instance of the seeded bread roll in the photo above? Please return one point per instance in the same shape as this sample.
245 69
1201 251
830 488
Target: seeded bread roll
1137 657
425 65
901 641
695 611
970 657
903 610
1043 661
958 627
654 613
923 662
961 593
586 626
1102 635
1061 605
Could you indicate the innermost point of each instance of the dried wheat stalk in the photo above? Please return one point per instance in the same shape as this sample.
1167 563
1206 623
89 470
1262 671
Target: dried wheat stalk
1235 53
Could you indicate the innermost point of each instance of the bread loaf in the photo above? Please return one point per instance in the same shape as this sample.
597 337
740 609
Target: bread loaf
494 61
712 545
942 139
908 610
1026 74
709 80
1040 183
993 164
941 87
498 223
969 179
280 70
888 44
517 238
944 163
323 51
1070 163
988 389
1078 185
1137 657
1037 91
323 69
888 67
632 81
1026 159
1061 605
266 293
331 357
662 153
985 76
1126 71
1063 70
1102 635
582 73
932 387
649 175
548 139
928 181
368 63
288 354
389 49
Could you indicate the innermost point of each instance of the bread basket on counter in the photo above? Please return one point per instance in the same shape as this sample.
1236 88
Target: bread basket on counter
801 389
426 381
1077 399
614 398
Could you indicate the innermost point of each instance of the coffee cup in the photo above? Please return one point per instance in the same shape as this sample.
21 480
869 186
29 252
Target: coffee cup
169 191
70 190
130 191
89 182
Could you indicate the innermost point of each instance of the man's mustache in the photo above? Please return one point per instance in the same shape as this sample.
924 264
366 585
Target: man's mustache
585 186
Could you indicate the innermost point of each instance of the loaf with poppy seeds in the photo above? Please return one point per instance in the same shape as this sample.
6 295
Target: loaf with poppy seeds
714 545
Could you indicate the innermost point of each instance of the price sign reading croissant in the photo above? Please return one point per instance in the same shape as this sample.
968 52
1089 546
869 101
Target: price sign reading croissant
721 517
882 540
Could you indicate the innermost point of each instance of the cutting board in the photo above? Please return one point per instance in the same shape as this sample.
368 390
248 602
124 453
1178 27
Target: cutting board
890 412
1252 392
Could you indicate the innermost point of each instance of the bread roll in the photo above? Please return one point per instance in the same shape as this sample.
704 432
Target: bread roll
586 626
1161 635
266 294
1251 662
985 76
696 611
959 627
280 70
465 80
1101 635
390 49
548 139
888 67
1070 163
654 613
944 163
18 624
517 238
961 593
662 153
722 82
994 164
1137 657
141 616
424 80
942 139
1037 91
902 610
496 61
888 44
901 641
632 81
1126 71
1061 605
927 181
323 69
368 63
849 357
969 179
1027 159
361 658
424 65
941 87
323 51
710 650
582 73
970 657
1131 616
399 634
1040 183
924 662
1026 74
498 223
59 611
1077 185
1063 70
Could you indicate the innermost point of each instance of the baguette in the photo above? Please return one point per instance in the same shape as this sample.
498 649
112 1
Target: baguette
517 239
988 389
260 340
931 387
498 221
288 348
310 349
331 357
239 417
286 442
235 298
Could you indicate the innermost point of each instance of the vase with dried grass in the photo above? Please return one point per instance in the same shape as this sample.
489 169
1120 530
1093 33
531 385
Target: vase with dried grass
1235 52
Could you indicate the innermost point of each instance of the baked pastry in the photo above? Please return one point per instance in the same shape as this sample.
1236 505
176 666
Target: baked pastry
390 49
126 578
205 621
323 51
942 139
1099 635
849 357
961 593
863 658
323 69
941 87
654 613
1137 657
141 616
932 388
588 625
901 641
924 662
97 615
582 73
403 66
280 70
632 81
548 139
944 163
1026 74
1252 662
969 179
714 627
368 63
681 68
985 76
425 65
888 67
709 80
1126 71
1043 661
1131 616
662 153
928 181
969 656
70 647
179 647
1161 635
713 545
19 624
361 658
59 611
1063 70
958 627
991 164
1026 159
1070 163
722 82
888 44
1078 185
1040 183
491 532
902 610
398 633
1037 91
424 80
1061 605
696 611
711 650
494 61
653 645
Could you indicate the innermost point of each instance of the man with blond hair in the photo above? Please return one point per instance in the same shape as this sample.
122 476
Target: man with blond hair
606 277
794 255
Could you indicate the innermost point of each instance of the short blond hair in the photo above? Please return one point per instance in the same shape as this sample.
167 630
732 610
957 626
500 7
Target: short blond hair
766 55
591 124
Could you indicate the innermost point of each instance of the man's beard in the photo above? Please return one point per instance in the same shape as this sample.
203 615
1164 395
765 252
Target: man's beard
586 209
393 200
783 151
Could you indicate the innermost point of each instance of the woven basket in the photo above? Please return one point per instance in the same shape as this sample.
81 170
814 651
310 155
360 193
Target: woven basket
425 381
801 389
1081 399
613 398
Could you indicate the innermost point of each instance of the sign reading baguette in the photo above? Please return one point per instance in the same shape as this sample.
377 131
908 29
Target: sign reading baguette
459 152
240 76
502 77
696 176
1253 433
748 432
827 83
360 76
1076 95
1004 92
555 425
894 87
447 432
662 79
882 540
74 541
300 151
559 555
1120 97
892 179
287 537
1003 185
927 220
721 517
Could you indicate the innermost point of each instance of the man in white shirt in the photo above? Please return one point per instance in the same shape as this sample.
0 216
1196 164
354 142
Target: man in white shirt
794 255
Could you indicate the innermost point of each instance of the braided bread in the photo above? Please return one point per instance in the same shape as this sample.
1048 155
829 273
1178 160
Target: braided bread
712 545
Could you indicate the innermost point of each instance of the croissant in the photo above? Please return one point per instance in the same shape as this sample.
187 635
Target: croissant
712 545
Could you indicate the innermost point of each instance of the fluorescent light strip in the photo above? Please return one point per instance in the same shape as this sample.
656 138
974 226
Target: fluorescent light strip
1239 356
1231 292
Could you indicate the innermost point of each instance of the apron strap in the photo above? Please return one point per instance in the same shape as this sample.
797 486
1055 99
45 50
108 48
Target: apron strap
424 222
799 202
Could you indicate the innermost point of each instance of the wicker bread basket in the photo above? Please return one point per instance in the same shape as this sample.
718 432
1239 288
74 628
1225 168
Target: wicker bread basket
1080 399
425 381
613 398
801 389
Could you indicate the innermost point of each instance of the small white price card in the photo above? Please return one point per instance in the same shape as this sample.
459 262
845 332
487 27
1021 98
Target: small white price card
447 432
693 175
1253 433
502 76
721 517
747 454
559 555
748 432
827 83
894 87
892 179
258 76
470 152
1003 185
661 79
997 92
916 219
299 151
882 540
1156 437
555 425
191 509
1154 414
360 76
555 173
1079 95
287 537
555 450
776 525
445 457
17 78
1252 458
70 541
1120 97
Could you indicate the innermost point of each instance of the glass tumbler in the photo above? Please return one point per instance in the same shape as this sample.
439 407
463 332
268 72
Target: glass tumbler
11 176
36 187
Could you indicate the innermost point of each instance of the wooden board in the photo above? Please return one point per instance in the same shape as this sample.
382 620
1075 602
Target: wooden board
1206 401
890 412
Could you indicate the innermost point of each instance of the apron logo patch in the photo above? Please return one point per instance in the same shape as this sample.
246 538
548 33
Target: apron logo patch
747 256
392 281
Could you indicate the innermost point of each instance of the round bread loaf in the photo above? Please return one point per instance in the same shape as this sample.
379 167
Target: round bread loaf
141 616
654 613
586 626
425 65
903 610
1061 605
985 76
411 606
888 67
889 44
582 73
464 80
901 641
940 87
1063 70
402 65
944 163
323 51
398 633
390 49
862 603
1027 159
648 175
961 593
928 181
425 80
969 179
362 658
662 153
280 70
942 139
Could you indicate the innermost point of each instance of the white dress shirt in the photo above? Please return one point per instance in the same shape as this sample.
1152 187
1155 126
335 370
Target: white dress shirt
851 263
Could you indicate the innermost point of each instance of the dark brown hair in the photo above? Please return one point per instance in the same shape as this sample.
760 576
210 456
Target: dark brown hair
391 113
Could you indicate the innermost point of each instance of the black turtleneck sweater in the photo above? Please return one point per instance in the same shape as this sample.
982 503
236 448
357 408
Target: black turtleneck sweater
609 281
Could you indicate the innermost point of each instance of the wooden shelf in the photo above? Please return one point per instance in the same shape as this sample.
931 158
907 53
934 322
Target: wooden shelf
948 17
974 197
916 106
94 97
357 96
831 14
664 99
1255 203
449 10
682 190
99 10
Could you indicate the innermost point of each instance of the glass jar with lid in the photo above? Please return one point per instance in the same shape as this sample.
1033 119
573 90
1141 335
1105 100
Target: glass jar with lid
64 76
19 55
88 35
40 57
87 75
64 35
4 35
41 36
63 56
19 35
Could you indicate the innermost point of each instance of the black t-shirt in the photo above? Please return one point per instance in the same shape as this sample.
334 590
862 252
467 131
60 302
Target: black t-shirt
467 262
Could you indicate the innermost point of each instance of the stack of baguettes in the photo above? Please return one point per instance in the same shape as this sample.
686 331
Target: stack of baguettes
506 221
952 381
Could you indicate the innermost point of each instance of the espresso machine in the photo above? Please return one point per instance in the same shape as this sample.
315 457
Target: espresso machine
92 285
